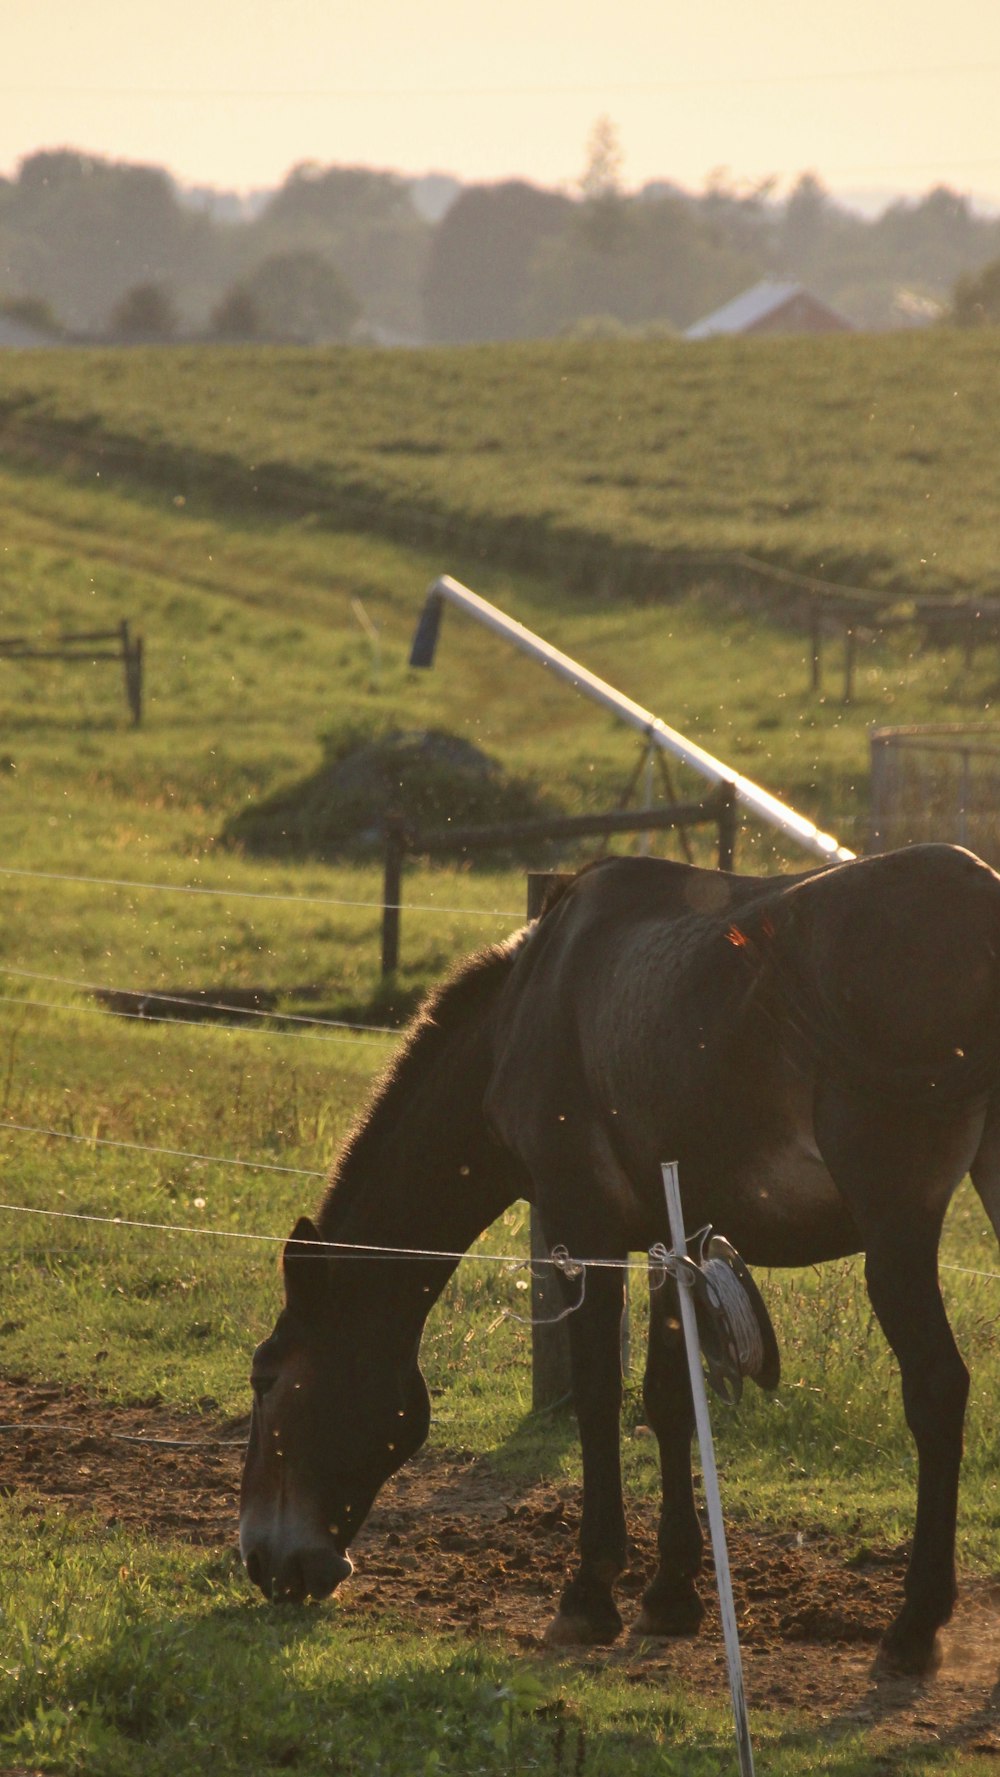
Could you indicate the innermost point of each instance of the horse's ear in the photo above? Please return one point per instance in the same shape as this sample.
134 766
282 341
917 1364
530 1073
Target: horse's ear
305 1263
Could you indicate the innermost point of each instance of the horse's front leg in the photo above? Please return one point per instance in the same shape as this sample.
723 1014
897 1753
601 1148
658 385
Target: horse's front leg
671 1605
587 1610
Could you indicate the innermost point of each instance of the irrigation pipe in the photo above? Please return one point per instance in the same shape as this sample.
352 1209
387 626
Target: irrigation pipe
658 733
710 1475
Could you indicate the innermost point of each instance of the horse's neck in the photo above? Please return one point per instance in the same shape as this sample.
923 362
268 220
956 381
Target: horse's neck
422 1171
430 1192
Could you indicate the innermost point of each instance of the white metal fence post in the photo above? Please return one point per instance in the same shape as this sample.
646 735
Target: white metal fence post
713 1498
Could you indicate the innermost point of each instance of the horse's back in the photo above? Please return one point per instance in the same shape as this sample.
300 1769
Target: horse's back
659 1011
901 947
609 1028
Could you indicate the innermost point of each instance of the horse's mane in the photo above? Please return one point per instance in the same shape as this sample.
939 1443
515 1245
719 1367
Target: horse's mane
456 1004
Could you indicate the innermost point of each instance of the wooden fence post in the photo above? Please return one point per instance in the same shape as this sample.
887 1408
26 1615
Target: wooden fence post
132 661
551 1380
816 643
849 655
550 1370
729 824
392 893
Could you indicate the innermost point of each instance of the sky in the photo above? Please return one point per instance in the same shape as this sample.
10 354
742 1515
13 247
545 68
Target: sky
871 95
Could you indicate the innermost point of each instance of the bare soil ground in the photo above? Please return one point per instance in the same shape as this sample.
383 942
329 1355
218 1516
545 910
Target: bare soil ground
452 1548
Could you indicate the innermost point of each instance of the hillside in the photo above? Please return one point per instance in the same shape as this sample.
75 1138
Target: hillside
257 670
618 467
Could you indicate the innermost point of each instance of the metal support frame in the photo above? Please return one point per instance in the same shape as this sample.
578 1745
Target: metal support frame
759 801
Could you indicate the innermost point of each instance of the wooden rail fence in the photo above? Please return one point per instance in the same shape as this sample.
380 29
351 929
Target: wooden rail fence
939 623
719 809
87 646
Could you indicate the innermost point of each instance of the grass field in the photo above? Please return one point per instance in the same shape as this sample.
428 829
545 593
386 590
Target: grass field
867 459
117 1654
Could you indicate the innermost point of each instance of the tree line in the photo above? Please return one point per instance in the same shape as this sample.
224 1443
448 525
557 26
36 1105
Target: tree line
97 248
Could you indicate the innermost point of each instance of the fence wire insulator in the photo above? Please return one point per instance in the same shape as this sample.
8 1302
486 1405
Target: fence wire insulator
569 1267
734 1328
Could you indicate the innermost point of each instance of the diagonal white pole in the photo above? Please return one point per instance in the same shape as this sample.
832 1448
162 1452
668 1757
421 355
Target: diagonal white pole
657 732
710 1474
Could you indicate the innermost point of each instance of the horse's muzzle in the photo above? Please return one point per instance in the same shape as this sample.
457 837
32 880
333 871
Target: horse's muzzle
313 1571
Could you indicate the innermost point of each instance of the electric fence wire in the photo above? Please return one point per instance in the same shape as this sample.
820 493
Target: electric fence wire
233 894
11 999
558 1260
156 997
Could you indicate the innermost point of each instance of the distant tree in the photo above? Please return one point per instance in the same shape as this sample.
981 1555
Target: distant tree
976 301
366 224
478 275
146 315
805 222
603 214
301 298
82 231
342 197
668 267
936 238
236 315
602 173
52 169
741 217
34 311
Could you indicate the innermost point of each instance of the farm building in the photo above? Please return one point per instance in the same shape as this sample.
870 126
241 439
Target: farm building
771 307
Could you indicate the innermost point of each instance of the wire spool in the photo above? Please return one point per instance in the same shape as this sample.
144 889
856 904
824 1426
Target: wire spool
734 1327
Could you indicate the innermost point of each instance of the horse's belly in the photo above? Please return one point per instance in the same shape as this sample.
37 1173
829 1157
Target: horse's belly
787 1209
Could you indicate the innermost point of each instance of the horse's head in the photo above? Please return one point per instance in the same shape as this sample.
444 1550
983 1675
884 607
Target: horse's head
335 1413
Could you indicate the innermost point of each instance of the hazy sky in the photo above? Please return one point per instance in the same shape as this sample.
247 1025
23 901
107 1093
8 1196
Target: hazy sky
890 94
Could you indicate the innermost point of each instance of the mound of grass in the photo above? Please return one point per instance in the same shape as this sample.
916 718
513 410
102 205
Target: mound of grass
374 773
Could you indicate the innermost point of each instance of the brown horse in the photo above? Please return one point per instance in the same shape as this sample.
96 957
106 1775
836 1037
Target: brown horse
821 1055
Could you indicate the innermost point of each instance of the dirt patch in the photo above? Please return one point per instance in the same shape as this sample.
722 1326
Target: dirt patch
453 1548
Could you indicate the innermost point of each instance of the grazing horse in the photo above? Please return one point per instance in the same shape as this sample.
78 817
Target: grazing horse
821 1055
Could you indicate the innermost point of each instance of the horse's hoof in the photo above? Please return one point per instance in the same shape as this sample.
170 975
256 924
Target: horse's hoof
579 1631
671 1616
671 1608
908 1656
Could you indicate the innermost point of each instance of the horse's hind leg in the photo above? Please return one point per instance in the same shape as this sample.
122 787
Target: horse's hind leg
985 1168
902 1282
587 1610
898 1181
671 1605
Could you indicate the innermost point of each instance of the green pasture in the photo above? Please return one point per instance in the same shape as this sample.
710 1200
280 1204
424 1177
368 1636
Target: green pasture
127 1660
120 1656
860 458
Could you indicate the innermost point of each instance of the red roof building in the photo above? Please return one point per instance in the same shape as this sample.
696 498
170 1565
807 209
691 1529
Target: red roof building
771 307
